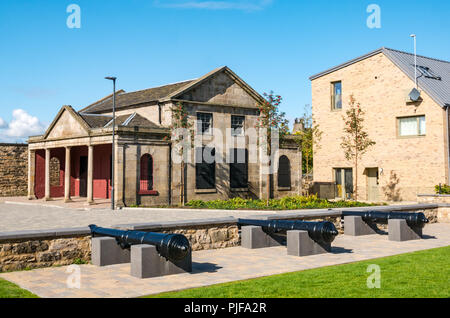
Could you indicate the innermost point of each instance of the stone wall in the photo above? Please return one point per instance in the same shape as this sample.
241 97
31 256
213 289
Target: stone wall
43 252
13 169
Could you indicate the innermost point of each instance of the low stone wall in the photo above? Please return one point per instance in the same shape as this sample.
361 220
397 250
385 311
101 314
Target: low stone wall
433 198
13 169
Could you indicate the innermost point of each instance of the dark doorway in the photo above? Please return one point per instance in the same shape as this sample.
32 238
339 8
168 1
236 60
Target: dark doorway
83 176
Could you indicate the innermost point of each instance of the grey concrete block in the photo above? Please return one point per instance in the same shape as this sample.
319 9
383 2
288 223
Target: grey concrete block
355 226
146 262
254 237
300 244
106 251
399 231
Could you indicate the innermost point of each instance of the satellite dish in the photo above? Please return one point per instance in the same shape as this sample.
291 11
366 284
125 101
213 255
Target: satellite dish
414 95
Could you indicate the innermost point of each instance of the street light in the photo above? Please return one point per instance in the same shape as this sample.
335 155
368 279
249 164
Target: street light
113 140
415 59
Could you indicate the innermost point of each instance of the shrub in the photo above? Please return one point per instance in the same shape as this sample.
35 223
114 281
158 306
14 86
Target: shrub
286 203
442 189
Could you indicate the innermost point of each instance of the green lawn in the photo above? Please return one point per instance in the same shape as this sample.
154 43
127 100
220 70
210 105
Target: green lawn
419 274
10 290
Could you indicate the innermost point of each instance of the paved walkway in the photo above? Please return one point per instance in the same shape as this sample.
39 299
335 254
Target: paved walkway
24 216
220 266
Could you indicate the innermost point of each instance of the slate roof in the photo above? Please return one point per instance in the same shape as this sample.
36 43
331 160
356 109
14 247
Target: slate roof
133 120
95 121
124 100
438 88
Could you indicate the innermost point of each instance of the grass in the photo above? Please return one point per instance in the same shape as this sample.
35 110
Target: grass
10 290
420 274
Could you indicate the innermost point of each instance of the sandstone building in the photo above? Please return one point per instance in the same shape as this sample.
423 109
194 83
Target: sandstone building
411 132
145 174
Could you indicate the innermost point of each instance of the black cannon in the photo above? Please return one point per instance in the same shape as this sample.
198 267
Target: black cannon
173 247
415 221
323 233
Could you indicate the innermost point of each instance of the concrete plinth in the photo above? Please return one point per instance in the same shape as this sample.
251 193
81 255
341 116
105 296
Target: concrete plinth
399 231
106 251
253 237
300 244
146 262
355 226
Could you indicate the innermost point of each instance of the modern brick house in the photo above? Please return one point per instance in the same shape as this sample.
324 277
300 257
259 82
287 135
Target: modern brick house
80 143
411 154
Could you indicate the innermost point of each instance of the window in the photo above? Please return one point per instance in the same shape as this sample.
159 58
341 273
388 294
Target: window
344 183
204 123
284 172
205 168
427 72
411 126
146 181
336 97
238 168
237 125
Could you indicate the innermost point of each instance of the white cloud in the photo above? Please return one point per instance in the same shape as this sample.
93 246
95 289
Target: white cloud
245 5
21 127
3 123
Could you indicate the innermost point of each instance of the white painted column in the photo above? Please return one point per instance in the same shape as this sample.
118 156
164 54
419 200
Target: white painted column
47 175
90 175
31 173
67 175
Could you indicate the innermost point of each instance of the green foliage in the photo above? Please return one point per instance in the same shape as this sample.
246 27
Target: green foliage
10 290
286 203
423 274
442 189
79 261
308 139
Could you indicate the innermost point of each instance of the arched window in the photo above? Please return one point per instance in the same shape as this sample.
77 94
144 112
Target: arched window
284 172
146 181
55 172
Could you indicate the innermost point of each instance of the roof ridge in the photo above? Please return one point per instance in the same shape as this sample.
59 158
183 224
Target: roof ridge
423 56
146 89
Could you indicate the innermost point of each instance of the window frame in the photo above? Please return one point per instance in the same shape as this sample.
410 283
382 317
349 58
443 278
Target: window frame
418 135
333 96
147 191
243 126
200 124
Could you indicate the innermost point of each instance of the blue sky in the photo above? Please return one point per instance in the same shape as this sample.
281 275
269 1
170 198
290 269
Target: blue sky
272 44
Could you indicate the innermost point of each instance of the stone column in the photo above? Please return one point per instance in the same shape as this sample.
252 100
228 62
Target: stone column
47 175
119 175
67 176
90 175
31 173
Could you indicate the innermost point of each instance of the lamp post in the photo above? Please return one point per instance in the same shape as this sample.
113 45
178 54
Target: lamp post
415 59
113 140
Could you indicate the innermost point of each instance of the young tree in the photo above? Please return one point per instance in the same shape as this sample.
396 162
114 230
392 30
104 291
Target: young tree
273 121
308 139
181 128
355 141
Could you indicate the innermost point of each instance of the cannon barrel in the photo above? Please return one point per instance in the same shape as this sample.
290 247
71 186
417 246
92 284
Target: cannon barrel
415 220
174 247
321 232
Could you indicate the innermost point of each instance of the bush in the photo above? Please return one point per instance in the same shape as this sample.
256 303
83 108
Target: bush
286 203
442 189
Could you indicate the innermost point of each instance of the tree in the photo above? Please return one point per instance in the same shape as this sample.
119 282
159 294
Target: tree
180 127
308 139
355 141
271 120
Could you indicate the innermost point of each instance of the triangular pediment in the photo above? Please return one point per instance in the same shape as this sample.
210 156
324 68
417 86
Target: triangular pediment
67 124
221 87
